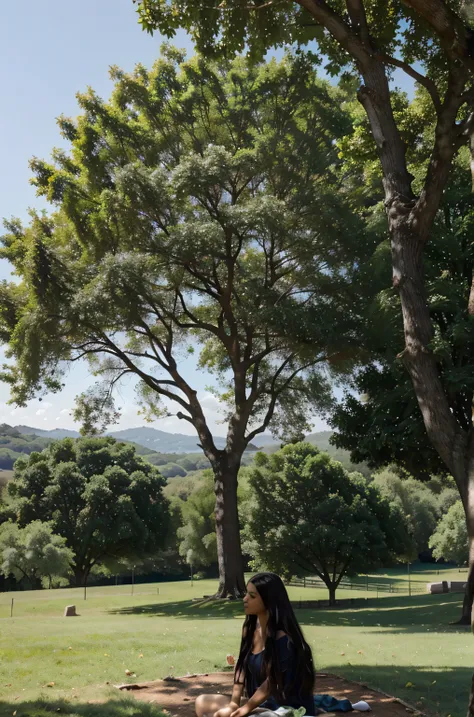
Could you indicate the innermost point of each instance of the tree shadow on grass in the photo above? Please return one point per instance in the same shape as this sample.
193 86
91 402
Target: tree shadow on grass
186 609
437 691
123 707
420 613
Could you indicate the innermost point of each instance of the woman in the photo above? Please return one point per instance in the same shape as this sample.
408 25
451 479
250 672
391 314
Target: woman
275 666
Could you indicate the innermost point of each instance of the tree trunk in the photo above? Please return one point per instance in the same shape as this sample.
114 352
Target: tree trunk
468 598
451 442
470 709
408 278
466 615
80 576
229 551
332 594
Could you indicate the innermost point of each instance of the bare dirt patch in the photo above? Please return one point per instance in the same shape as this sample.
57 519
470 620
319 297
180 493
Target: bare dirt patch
177 695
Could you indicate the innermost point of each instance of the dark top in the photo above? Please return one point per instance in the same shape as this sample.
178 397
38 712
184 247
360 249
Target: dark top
286 654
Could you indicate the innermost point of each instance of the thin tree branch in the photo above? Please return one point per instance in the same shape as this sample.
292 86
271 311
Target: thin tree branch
426 82
445 146
356 11
338 28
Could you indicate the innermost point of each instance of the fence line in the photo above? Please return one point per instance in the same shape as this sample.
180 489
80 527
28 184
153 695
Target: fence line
363 584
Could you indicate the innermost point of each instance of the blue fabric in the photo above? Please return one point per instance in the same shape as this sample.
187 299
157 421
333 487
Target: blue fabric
331 704
286 656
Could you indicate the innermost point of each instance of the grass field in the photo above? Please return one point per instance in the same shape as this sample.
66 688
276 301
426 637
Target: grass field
50 663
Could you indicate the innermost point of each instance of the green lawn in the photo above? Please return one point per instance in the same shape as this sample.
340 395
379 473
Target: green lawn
385 642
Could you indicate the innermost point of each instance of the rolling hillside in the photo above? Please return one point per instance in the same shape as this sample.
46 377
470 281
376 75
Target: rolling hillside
18 440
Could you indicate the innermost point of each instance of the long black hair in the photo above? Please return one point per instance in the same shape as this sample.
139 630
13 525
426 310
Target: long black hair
280 618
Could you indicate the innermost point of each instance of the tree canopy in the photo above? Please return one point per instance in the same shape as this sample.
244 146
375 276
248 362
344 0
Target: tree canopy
450 540
33 552
103 499
308 516
417 504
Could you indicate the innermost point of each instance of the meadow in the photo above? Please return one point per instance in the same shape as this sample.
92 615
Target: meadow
402 645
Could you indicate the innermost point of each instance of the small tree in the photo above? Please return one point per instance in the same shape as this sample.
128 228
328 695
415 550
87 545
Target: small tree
310 516
450 540
33 552
103 499
196 207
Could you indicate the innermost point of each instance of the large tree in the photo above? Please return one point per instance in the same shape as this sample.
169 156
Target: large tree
432 41
103 499
196 208
308 516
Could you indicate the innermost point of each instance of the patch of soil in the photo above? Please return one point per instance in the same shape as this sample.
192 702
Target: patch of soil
177 694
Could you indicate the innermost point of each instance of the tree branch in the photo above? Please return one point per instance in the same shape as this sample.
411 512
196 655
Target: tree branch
251 8
356 11
277 393
146 378
454 35
426 82
338 28
445 146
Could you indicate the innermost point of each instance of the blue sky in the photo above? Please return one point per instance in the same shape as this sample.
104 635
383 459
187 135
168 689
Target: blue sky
48 52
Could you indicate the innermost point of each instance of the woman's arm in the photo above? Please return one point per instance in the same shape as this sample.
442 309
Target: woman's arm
255 701
237 690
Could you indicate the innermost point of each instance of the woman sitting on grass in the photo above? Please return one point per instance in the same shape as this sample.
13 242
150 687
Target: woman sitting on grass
275 666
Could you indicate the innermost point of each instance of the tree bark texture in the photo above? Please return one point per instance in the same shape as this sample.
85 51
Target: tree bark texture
470 709
229 551
466 616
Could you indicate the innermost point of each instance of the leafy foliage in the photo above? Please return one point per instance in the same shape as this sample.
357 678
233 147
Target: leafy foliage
183 191
197 534
309 516
103 499
231 26
450 540
33 552
416 503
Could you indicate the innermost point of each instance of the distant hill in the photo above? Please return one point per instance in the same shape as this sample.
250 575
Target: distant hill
21 440
152 438
55 433
175 454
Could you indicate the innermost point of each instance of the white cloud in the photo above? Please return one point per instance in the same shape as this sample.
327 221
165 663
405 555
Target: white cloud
64 412
41 412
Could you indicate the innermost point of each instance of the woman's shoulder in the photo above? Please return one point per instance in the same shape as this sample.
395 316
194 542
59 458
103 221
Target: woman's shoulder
280 635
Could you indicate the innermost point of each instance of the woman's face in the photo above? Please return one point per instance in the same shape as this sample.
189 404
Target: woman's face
253 603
